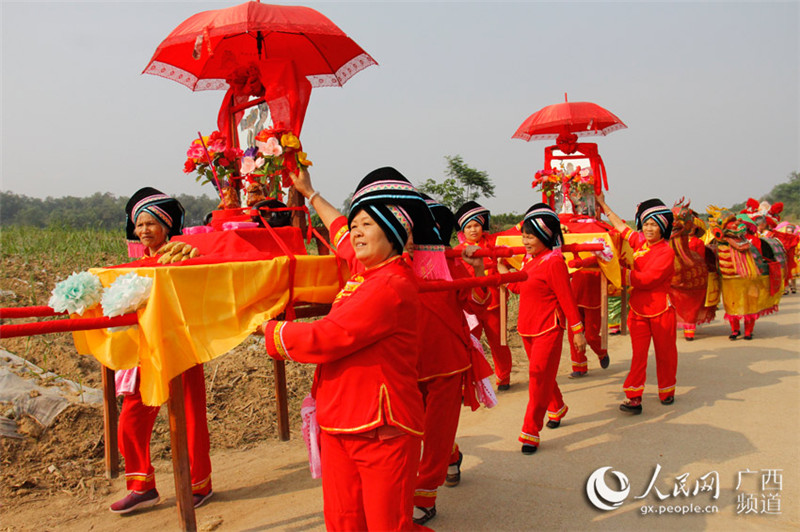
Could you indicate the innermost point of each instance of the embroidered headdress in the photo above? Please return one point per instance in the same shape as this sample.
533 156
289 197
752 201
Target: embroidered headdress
396 206
444 218
472 211
168 211
656 210
545 224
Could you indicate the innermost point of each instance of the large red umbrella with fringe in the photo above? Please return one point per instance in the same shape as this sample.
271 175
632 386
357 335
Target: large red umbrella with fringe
564 123
204 50
583 119
273 53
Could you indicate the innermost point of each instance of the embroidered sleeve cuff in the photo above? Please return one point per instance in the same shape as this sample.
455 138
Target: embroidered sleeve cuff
340 231
627 233
577 328
274 340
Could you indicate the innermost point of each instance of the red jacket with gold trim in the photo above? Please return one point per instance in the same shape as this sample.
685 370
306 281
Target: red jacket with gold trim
651 276
545 298
366 350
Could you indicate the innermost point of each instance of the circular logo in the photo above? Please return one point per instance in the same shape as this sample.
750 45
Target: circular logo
602 496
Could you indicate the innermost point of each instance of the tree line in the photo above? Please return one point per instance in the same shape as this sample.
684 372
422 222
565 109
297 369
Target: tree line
107 211
98 211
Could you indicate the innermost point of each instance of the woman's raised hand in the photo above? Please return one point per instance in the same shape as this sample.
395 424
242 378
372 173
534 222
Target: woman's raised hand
302 182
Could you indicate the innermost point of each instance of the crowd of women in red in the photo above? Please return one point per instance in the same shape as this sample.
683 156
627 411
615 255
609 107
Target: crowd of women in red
395 365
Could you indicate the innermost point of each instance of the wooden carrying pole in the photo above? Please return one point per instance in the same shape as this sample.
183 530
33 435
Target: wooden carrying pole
603 311
110 450
503 315
623 297
180 456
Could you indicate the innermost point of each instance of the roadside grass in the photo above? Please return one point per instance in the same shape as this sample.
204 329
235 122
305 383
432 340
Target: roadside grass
63 249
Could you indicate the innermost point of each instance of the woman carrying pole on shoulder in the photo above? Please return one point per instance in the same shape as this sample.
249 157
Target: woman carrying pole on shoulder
473 222
369 406
546 305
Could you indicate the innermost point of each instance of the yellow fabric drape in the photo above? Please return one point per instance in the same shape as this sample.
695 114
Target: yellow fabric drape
197 313
610 269
742 297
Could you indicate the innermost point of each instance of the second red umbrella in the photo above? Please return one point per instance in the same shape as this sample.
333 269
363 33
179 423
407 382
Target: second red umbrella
583 119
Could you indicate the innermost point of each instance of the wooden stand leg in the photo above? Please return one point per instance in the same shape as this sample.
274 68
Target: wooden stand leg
503 315
623 326
603 312
281 399
111 448
180 456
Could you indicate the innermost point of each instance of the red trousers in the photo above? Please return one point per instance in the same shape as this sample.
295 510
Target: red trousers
442 396
661 329
136 427
749 325
501 354
591 323
544 354
367 482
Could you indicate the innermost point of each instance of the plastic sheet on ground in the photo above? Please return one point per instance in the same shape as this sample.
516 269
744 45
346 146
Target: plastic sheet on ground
20 386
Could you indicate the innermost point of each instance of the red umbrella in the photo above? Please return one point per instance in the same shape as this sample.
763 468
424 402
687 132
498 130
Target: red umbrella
205 50
583 119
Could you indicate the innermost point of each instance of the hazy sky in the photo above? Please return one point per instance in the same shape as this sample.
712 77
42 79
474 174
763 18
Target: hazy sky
709 92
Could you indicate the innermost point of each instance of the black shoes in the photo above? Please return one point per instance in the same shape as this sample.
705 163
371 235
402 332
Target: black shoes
453 479
605 361
577 374
528 448
631 408
503 387
426 514
668 400
553 423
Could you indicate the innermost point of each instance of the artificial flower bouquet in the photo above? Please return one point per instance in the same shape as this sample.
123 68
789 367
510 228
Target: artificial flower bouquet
224 159
581 191
277 153
569 189
547 181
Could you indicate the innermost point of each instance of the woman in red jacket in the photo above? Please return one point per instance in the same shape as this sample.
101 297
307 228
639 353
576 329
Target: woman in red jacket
652 316
545 299
369 406
473 222
445 369
153 218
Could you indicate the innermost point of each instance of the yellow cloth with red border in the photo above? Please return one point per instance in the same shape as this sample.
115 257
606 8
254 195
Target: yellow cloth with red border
198 312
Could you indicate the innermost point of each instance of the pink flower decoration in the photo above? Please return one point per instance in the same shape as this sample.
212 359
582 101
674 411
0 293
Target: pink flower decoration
248 165
217 146
196 151
271 148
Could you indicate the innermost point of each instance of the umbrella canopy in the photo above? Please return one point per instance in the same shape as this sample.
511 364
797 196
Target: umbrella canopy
583 119
206 49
